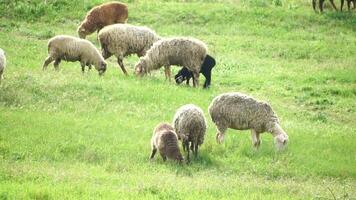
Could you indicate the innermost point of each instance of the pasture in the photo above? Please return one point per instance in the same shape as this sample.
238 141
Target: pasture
64 135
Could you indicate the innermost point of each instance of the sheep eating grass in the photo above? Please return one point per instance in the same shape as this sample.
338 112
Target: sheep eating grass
165 140
190 125
241 112
68 48
101 16
123 40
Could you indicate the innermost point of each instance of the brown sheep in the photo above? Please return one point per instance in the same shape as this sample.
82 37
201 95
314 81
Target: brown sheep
166 141
101 16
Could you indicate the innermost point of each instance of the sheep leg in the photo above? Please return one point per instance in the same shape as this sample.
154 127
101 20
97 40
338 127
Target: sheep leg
314 4
48 60
207 79
167 72
119 61
342 4
56 63
195 150
186 146
348 5
332 3
164 157
321 2
83 67
154 150
188 79
255 139
196 79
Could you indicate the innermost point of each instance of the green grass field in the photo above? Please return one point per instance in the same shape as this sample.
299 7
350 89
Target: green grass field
64 135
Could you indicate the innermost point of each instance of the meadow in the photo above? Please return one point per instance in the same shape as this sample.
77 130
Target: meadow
64 135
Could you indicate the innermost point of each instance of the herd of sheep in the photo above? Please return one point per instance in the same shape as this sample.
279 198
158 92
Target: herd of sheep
230 110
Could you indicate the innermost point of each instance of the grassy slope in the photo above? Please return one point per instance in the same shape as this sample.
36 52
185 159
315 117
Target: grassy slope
67 135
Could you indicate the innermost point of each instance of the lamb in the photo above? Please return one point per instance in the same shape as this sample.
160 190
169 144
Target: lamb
241 112
101 16
165 140
207 66
122 40
321 2
190 125
68 48
2 64
187 52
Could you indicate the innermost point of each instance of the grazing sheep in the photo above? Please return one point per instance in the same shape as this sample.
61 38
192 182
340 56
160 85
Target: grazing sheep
187 52
241 112
348 4
207 66
190 125
321 2
165 140
2 64
122 40
68 48
101 16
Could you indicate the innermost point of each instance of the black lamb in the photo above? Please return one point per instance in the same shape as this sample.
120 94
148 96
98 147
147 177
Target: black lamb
206 67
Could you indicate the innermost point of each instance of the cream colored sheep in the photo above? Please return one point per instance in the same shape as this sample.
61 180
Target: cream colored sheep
123 40
241 112
101 16
186 52
68 48
190 125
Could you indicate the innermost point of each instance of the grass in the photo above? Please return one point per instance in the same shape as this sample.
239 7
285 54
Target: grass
64 135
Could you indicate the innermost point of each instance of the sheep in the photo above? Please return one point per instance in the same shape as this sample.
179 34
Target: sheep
187 52
68 48
241 112
101 16
122 40
190 125
207 66
165 140
2 64
348 4
321 2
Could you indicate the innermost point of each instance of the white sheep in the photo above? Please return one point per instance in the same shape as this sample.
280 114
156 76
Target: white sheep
123 40
190 125
186 52
68 48
2 64
241 112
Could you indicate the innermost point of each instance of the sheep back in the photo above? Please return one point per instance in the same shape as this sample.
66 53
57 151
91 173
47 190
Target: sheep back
101 16
73 49
165 140
124 39
187 52
189 123
239 111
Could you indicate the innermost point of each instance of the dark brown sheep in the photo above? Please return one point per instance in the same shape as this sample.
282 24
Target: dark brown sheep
101 16
165 140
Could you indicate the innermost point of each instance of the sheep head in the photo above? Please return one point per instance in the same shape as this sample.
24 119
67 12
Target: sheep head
141 68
